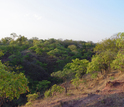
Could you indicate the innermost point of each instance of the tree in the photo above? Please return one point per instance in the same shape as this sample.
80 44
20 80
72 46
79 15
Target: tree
53 90
1 53
120 40
11 84
79 66
118 63
14 35
21 40
107 44
42 85
6 40
101 62
73 48
94 65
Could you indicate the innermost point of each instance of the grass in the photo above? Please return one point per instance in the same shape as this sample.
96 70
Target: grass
88 86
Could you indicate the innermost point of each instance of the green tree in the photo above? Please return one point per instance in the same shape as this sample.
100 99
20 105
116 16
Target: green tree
11 84
76 82
43 85
76 68
101 62
54 89
73 48
79 66
118 63
6 40
1 53
21 40
107 44
120 40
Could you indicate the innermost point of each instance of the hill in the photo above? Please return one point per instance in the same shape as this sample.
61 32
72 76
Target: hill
62 73
37 59
104 91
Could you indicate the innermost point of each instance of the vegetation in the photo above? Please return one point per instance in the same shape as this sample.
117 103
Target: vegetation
41 64
12 84
76 82
54 89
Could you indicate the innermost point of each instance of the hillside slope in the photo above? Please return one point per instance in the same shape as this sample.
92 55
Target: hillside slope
103 91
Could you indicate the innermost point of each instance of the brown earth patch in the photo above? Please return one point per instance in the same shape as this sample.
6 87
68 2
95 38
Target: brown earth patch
104 92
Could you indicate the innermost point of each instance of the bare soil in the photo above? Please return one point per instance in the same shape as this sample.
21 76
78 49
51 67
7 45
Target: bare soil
102 92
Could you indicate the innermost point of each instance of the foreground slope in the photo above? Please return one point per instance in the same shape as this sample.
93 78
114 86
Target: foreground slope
103 91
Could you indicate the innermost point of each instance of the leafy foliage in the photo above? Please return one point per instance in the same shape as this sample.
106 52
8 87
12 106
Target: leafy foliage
120 40
1 53
107 44
12 85
32 97
101 62
118 63
77 66
43 85
76 82
37 59
54 89
16 58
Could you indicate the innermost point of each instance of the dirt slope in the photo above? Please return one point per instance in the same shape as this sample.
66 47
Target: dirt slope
105 91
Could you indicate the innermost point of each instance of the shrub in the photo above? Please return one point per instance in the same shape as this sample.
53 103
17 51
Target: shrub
1 53
101 62
38 51
43 85
78 67
118 63
47 93
76 82
54 89
12 84
32 97
28 103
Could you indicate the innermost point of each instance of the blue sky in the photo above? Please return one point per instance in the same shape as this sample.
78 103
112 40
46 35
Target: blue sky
86 20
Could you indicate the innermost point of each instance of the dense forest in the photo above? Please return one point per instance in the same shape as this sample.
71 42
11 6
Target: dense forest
35 67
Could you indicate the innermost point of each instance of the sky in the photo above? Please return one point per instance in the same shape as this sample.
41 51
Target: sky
85 20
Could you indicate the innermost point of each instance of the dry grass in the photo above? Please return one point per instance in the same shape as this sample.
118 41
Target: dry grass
86 87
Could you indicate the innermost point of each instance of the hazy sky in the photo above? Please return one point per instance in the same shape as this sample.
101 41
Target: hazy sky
87 20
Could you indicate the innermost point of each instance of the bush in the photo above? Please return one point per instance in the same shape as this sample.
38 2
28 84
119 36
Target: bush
94 65
101 62
54 89
118 63
11 84
16 58
47 94
1 53
43 85
38 51
76 82
78 67
28 103
32 97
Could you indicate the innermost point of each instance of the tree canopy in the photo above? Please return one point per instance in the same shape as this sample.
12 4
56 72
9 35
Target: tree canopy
12 84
